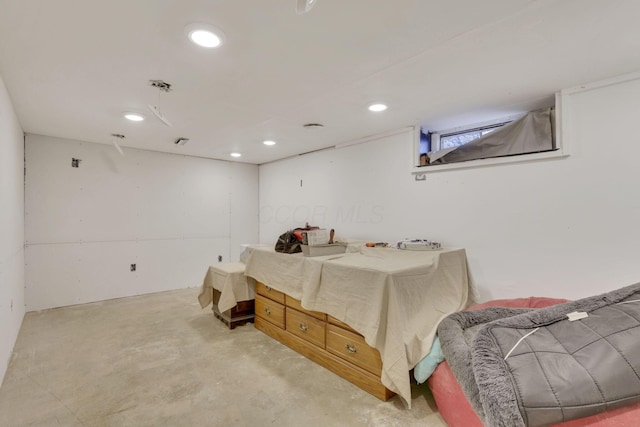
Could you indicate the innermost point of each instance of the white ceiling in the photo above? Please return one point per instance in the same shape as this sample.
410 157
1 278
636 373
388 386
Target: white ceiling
73 66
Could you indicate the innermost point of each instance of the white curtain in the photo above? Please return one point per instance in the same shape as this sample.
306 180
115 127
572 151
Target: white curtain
532 133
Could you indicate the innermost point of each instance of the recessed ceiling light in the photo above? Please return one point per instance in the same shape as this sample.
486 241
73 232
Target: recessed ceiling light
205 38
236 155
377 107
134 117
205 35
304 6
268 142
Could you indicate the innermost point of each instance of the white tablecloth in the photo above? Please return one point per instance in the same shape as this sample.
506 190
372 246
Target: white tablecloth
230 280
394 298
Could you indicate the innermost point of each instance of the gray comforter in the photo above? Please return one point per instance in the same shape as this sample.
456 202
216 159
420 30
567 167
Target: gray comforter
536 367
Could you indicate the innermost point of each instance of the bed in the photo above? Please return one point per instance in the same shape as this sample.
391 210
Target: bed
467 401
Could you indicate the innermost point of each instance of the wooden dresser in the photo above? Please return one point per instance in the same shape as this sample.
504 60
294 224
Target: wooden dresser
321 338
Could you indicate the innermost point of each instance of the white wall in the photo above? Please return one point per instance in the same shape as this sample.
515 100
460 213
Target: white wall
563 228
11 228
244 224
169 214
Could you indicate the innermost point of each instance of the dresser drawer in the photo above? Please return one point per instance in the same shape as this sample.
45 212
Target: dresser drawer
343 325
270 310
266 291
294 303
306 327
353 348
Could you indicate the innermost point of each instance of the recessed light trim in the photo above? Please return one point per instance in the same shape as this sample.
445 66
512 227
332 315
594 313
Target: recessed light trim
376 108
205 35
236 155
313 126
269 142
134 117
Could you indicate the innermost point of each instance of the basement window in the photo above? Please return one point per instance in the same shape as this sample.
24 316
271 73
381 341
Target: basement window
521 137
456 139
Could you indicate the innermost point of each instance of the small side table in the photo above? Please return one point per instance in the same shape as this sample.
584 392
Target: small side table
233 293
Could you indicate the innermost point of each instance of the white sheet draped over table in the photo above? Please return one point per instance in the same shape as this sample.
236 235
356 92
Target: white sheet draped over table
394 298
230 280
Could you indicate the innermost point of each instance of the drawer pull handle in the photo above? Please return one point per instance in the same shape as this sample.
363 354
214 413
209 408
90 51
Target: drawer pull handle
351 348
303 327
267 310
268 288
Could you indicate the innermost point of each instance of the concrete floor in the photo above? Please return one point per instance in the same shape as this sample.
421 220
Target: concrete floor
161 360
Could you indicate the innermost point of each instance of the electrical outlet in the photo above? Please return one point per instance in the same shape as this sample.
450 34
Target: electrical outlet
75 162
219 258
133 267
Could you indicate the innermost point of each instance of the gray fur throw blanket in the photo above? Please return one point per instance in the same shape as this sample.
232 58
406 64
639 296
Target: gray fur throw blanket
536 367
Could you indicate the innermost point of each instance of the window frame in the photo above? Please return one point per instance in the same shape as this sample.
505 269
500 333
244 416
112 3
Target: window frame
562 150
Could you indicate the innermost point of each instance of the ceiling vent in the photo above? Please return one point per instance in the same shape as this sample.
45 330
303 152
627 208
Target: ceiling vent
161 84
